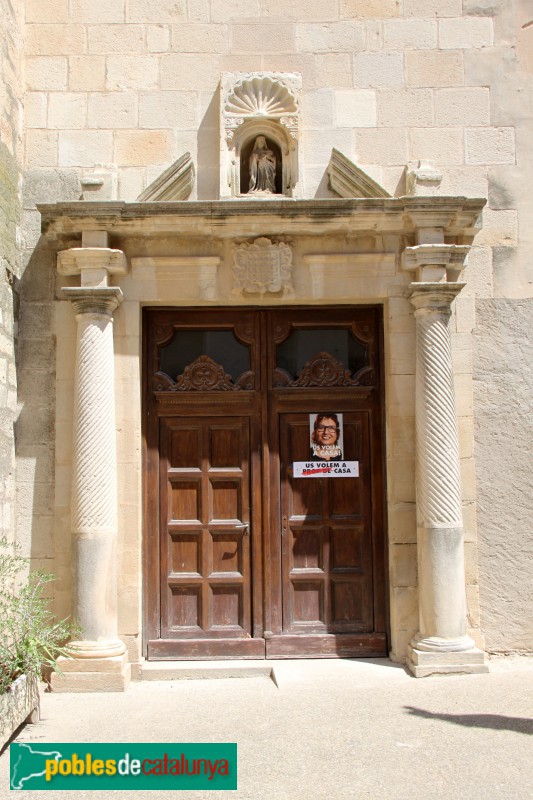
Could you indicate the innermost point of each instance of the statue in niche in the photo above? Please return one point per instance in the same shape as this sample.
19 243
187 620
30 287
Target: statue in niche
262 167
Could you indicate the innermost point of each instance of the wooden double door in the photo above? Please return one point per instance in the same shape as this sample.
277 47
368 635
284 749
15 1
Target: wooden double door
256 543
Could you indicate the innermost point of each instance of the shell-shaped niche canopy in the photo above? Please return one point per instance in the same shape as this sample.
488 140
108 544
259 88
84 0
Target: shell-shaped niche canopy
261 95
260 104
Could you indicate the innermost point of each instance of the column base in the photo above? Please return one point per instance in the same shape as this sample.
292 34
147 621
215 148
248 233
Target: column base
106 648
422 663
111 674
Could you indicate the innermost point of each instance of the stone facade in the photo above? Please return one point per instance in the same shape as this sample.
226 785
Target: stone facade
116 92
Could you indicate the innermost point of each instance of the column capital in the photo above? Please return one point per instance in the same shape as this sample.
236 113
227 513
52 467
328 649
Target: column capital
99 301
435 262
434 297
93 264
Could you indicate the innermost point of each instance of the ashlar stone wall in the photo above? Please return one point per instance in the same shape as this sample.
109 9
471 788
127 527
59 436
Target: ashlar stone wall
127 86
11 155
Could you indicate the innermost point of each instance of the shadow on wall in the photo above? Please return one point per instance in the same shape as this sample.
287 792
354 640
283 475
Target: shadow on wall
208 158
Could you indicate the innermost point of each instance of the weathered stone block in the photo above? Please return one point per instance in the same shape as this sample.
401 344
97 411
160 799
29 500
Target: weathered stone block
307 11
163 109
89 11
464 33
162 11
132 72
85 148
441 145
434 68
378 69
333 70
381 146
355 108
136 148
112 110
267 38
157 38
35 109
373 9
37 11
46 73
114 39
432 8
500 229
490 146
410 107
317 108
200 38
237 10
346 36
198 10
41 148
403 566
67 110
468 106
86 73
54 40
407 34
183 70
317 148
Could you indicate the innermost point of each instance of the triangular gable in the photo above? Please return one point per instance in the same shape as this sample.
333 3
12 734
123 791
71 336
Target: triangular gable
175 183
348 180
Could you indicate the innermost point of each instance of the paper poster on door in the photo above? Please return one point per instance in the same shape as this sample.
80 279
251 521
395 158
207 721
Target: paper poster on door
326 450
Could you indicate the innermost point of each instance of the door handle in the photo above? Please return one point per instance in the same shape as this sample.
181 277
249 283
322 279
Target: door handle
243 528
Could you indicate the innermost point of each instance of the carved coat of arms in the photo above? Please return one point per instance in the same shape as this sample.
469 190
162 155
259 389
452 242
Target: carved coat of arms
262 267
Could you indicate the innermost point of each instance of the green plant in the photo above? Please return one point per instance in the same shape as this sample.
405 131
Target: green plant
30 637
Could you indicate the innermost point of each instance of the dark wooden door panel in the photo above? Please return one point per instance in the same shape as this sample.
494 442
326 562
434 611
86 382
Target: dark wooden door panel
205 542
242 559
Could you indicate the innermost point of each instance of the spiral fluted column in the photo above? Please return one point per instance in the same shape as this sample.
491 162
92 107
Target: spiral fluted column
99 660
94 473
442 643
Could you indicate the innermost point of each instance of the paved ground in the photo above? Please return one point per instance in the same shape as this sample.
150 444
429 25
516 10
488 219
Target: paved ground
329 729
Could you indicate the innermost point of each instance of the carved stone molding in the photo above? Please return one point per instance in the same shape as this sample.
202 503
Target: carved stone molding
175 183
432 262
259 104
77 260
349 180
262 268
101 301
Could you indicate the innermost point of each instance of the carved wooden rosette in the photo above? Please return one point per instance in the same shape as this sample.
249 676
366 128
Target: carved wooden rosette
203 375
324 370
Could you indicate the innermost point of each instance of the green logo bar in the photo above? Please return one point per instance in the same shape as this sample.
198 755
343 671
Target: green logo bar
123 766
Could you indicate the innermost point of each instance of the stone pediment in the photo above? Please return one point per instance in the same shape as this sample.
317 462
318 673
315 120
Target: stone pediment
175 183
348 180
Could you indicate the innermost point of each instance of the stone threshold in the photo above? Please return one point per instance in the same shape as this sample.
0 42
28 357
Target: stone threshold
203 670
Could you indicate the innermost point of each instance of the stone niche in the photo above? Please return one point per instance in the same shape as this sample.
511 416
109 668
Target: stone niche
259 135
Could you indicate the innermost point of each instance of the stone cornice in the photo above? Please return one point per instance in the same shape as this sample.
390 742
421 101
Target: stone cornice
228 218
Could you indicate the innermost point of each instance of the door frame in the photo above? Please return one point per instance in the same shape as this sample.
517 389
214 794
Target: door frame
266 553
